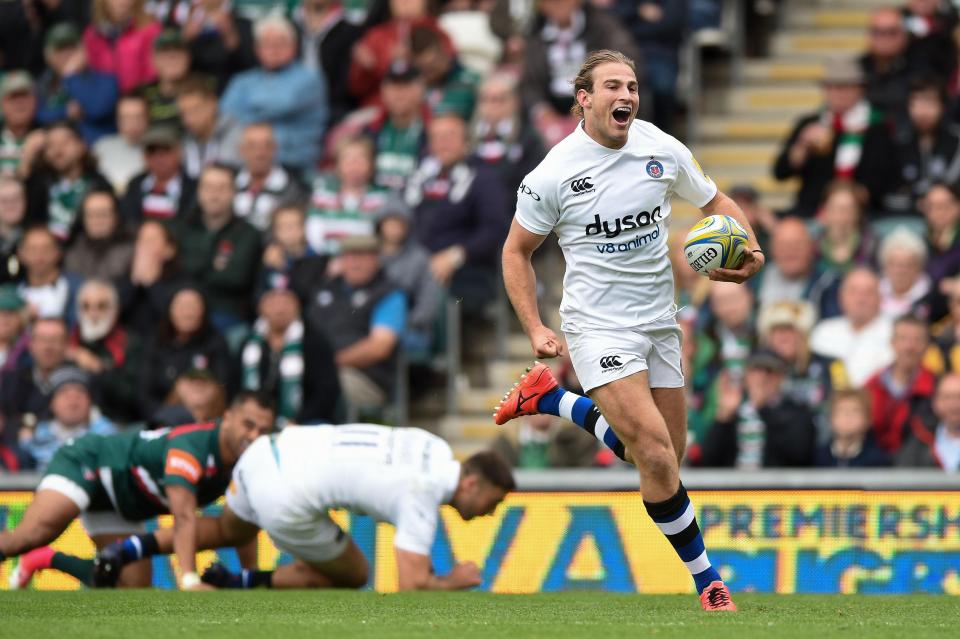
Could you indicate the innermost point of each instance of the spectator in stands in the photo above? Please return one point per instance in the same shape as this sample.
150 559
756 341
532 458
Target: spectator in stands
851 442
500 137
13 319
120 156
903 390
220 39
561 35
59 177
860 338
757 425
928 149
761 217
211 136
931 24
185 340
155 275
291 362
18 112
171 58
936 443
346 201
48 290
119 41
658 27
25 390
793 274
197 397
70 90
326 42
544 441
288 260
904 286
72 415
13 208
103 246
106 350
262 184
163 191
847 139
408 264
843 239
886 66
944 353
460 214
363 316
399 130
384 43
784 328
723 342
941 210
283 93
450 85
218 250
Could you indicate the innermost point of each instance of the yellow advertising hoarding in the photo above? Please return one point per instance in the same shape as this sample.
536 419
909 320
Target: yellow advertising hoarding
821 541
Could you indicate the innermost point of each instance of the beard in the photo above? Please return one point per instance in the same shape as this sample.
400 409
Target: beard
92 330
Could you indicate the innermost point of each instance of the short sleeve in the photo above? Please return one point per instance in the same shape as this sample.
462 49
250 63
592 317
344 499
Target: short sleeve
182 468
692 184
391 313
537 209
417 520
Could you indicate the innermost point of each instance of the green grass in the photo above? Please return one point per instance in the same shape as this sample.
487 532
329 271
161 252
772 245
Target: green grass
345 615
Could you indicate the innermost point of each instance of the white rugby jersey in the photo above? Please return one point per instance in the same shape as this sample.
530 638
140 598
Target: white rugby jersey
397 475
610 210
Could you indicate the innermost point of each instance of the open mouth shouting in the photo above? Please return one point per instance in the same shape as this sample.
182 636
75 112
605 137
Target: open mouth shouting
622 115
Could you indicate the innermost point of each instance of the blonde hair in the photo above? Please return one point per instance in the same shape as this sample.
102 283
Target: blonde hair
101 15
584 79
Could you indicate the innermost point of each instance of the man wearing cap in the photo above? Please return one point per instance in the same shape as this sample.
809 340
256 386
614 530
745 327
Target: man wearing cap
290 362
70 90
172 61
847 139
164 190
218 250
73 414
363 315
399 130
12 320
281 92
757 425
18 112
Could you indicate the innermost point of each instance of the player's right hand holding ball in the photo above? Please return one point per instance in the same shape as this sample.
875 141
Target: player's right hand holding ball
545 343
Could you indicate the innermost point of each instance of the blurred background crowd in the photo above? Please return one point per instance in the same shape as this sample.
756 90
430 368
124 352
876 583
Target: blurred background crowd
203 196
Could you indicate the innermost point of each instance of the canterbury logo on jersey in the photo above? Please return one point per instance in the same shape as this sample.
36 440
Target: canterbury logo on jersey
581 186
621 224
611 361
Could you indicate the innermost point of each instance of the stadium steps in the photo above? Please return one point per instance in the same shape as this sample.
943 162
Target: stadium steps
768 72
789 100
819 43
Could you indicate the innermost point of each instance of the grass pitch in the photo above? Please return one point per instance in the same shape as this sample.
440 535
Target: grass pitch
346 615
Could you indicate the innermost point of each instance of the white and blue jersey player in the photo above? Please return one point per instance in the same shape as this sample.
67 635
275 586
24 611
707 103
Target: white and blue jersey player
605 190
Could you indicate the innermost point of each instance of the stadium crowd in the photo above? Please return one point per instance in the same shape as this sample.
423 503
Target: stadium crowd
201 196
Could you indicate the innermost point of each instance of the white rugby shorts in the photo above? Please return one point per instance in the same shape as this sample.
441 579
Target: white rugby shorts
260 495
603 356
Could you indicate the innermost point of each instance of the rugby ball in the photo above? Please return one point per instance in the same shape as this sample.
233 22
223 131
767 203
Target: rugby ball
717 241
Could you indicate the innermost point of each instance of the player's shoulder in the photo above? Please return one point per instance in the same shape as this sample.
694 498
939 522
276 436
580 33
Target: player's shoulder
193 435
647 134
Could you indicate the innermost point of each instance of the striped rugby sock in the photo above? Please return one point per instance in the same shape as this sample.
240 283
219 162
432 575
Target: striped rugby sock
676 520
584 413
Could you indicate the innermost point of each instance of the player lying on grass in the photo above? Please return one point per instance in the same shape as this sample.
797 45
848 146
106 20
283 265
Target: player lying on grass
285 484
115 483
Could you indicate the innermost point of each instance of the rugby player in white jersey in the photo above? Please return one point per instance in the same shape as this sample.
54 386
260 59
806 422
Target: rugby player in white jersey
286 483
605 191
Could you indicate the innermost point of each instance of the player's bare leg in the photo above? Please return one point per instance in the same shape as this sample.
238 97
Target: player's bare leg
349 570
634 413
672 405
47 516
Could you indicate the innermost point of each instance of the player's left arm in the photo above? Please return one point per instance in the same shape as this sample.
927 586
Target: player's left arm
183 507
753 259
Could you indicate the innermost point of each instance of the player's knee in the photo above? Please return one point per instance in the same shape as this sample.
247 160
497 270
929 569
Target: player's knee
655 457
